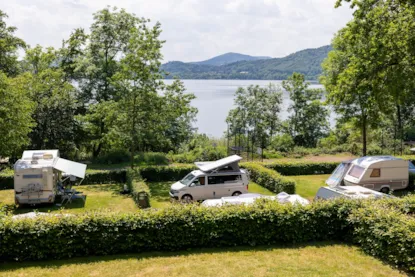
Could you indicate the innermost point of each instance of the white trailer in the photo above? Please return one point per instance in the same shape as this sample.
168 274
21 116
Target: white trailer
352 192
380 173
38 173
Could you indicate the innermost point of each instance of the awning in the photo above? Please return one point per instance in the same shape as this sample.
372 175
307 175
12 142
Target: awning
70 167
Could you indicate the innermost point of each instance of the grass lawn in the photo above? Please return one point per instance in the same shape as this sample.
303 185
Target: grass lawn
308 185
97 197
160 197
321 259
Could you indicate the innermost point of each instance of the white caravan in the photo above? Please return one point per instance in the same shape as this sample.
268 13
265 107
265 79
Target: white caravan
37 174
212 180
380 173
250 198
352 192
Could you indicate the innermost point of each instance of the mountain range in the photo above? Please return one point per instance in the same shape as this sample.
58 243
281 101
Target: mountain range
239 66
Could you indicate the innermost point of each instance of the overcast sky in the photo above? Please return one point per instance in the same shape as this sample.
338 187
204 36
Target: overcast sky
193 29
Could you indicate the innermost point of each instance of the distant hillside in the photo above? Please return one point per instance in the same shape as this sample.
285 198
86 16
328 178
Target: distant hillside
229 58
307 62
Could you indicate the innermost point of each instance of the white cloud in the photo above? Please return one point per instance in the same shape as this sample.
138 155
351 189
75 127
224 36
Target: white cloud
194 29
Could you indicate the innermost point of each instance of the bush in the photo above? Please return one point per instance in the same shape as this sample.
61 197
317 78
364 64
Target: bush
104 177
303 167
138 188
115 156
269 179
174 228
6 179
387 234
165 173
283 143
151 158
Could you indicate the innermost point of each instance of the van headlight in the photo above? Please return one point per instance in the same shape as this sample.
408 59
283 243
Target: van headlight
174 191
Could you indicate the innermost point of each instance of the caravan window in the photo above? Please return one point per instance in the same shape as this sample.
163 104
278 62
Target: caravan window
32 176
356 171
375 172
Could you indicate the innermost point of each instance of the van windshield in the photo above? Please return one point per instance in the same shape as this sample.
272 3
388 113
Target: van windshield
356 171
186 180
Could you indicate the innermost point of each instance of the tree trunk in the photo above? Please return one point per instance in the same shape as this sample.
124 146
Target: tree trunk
364 134
400 125
133 131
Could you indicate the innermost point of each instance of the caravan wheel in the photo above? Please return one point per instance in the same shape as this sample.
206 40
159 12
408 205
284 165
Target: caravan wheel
385 190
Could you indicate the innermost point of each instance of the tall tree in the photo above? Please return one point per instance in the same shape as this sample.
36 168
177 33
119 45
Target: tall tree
308 122
9 45
15 115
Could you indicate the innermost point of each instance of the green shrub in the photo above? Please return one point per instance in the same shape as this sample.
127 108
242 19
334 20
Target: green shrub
6 179
151 158
104 177
269 179
302 167
385 233
138 188
115 156
173 228
165 173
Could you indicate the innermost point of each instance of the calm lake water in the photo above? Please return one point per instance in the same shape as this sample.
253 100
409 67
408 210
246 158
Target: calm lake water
214 99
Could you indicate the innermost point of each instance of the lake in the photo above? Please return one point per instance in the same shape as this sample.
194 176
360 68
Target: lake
214 100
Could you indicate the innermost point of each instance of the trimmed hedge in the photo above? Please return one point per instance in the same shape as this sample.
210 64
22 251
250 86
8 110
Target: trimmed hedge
138 188
269 179
386 234
165 173
6 179
302 168
173 228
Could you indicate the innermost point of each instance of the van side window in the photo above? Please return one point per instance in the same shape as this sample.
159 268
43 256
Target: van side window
375 172
214 180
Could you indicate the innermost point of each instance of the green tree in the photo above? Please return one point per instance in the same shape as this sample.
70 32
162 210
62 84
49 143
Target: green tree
55 102
9 45
15 115
308 121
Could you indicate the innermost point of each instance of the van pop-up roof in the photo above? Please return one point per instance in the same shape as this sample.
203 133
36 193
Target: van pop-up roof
231 161
49 158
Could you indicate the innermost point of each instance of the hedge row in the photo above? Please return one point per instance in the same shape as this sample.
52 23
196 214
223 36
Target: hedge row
173 228
302 168
387 234
139 190
165 173
269 179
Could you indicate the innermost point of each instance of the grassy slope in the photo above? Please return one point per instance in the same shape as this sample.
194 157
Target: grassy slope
98 197
312 260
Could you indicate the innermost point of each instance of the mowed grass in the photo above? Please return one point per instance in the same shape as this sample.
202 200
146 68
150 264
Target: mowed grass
160 197
308 185
320 259
98 197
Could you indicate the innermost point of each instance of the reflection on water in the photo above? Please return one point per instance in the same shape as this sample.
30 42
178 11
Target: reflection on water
214 99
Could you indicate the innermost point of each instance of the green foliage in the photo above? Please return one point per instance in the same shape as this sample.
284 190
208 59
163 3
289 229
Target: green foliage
282 143
308 121
303 167
385 233
9 46
104 177
151 158
6 179
269 179
139 190
307 62
165 173
173 228
15 114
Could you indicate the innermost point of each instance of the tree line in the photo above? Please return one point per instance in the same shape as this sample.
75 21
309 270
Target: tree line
101 90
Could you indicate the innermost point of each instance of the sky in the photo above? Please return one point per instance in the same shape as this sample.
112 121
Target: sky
194 30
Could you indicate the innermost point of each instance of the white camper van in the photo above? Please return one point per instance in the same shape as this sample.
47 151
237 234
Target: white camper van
353 192
380 173
37 174
212 180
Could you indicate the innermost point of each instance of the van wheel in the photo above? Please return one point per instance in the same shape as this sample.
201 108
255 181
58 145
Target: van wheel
385 190
236 193
187 198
